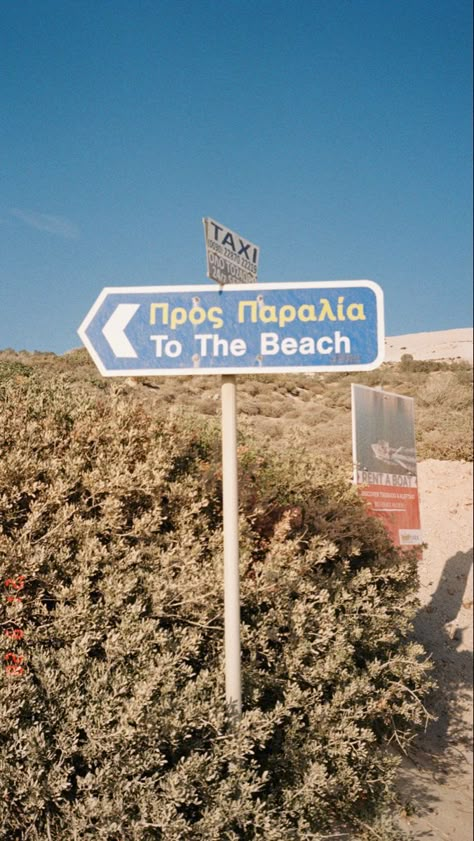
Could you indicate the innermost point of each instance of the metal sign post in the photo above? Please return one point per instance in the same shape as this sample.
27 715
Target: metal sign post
233 689
242 328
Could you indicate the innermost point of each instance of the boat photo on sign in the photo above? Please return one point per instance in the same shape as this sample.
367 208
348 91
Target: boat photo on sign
383 428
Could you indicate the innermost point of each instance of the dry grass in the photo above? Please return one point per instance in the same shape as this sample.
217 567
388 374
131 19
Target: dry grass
282 409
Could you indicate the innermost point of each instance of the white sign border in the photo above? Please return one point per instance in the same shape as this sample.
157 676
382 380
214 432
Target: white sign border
248 287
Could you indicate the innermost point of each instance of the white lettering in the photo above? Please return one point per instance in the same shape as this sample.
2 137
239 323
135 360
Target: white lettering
269 344
238 347
171 348
324 345
210 344
289 346
341 340
307 345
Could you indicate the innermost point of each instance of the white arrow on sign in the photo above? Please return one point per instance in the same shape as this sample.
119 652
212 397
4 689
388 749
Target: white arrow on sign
114 331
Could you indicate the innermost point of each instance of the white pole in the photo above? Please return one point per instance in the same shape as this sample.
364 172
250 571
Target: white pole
233 688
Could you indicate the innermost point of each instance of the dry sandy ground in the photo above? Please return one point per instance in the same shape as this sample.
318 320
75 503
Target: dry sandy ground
440 344
437 780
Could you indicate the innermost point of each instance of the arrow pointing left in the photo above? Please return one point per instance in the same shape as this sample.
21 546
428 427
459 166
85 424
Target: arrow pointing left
114 331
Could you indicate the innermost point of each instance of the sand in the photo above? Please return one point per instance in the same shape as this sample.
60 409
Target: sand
436 781
440 344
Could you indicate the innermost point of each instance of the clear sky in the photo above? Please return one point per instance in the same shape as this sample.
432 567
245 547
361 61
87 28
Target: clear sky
335 134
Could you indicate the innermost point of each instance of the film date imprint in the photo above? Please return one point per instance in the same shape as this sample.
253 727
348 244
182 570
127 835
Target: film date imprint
14 663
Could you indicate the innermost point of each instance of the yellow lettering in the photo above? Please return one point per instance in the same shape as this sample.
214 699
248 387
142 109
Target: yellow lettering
178 316
197 315
326 310
213 315
306 312
287 314
241 311
340 308
355 312
164 313
267 313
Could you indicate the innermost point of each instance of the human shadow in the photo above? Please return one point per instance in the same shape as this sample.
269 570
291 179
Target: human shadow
442 747
438 628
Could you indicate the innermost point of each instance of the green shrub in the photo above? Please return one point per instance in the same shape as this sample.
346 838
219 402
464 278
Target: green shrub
117 728
13 370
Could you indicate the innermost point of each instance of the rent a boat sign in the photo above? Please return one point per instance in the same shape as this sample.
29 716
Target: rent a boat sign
237 329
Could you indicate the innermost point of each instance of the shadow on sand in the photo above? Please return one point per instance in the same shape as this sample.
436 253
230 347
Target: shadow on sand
443 747
452 664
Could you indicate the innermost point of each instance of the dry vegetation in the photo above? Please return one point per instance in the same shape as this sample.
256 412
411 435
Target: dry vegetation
110 507
309 410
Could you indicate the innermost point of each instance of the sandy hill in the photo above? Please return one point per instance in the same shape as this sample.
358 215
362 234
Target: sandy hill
438 344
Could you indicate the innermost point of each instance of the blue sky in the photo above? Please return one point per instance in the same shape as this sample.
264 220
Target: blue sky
336 134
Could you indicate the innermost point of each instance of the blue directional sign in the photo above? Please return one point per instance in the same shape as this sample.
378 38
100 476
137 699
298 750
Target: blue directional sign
272 327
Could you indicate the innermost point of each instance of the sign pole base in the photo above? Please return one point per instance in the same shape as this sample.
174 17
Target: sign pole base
233 685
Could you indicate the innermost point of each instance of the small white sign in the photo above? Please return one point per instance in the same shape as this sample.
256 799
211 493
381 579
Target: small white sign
230 257
410 537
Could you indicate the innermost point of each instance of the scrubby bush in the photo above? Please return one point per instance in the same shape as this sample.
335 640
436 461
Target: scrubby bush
280 404
113 725
12 369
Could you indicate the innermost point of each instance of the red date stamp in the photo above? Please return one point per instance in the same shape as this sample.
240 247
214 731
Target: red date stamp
13 662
